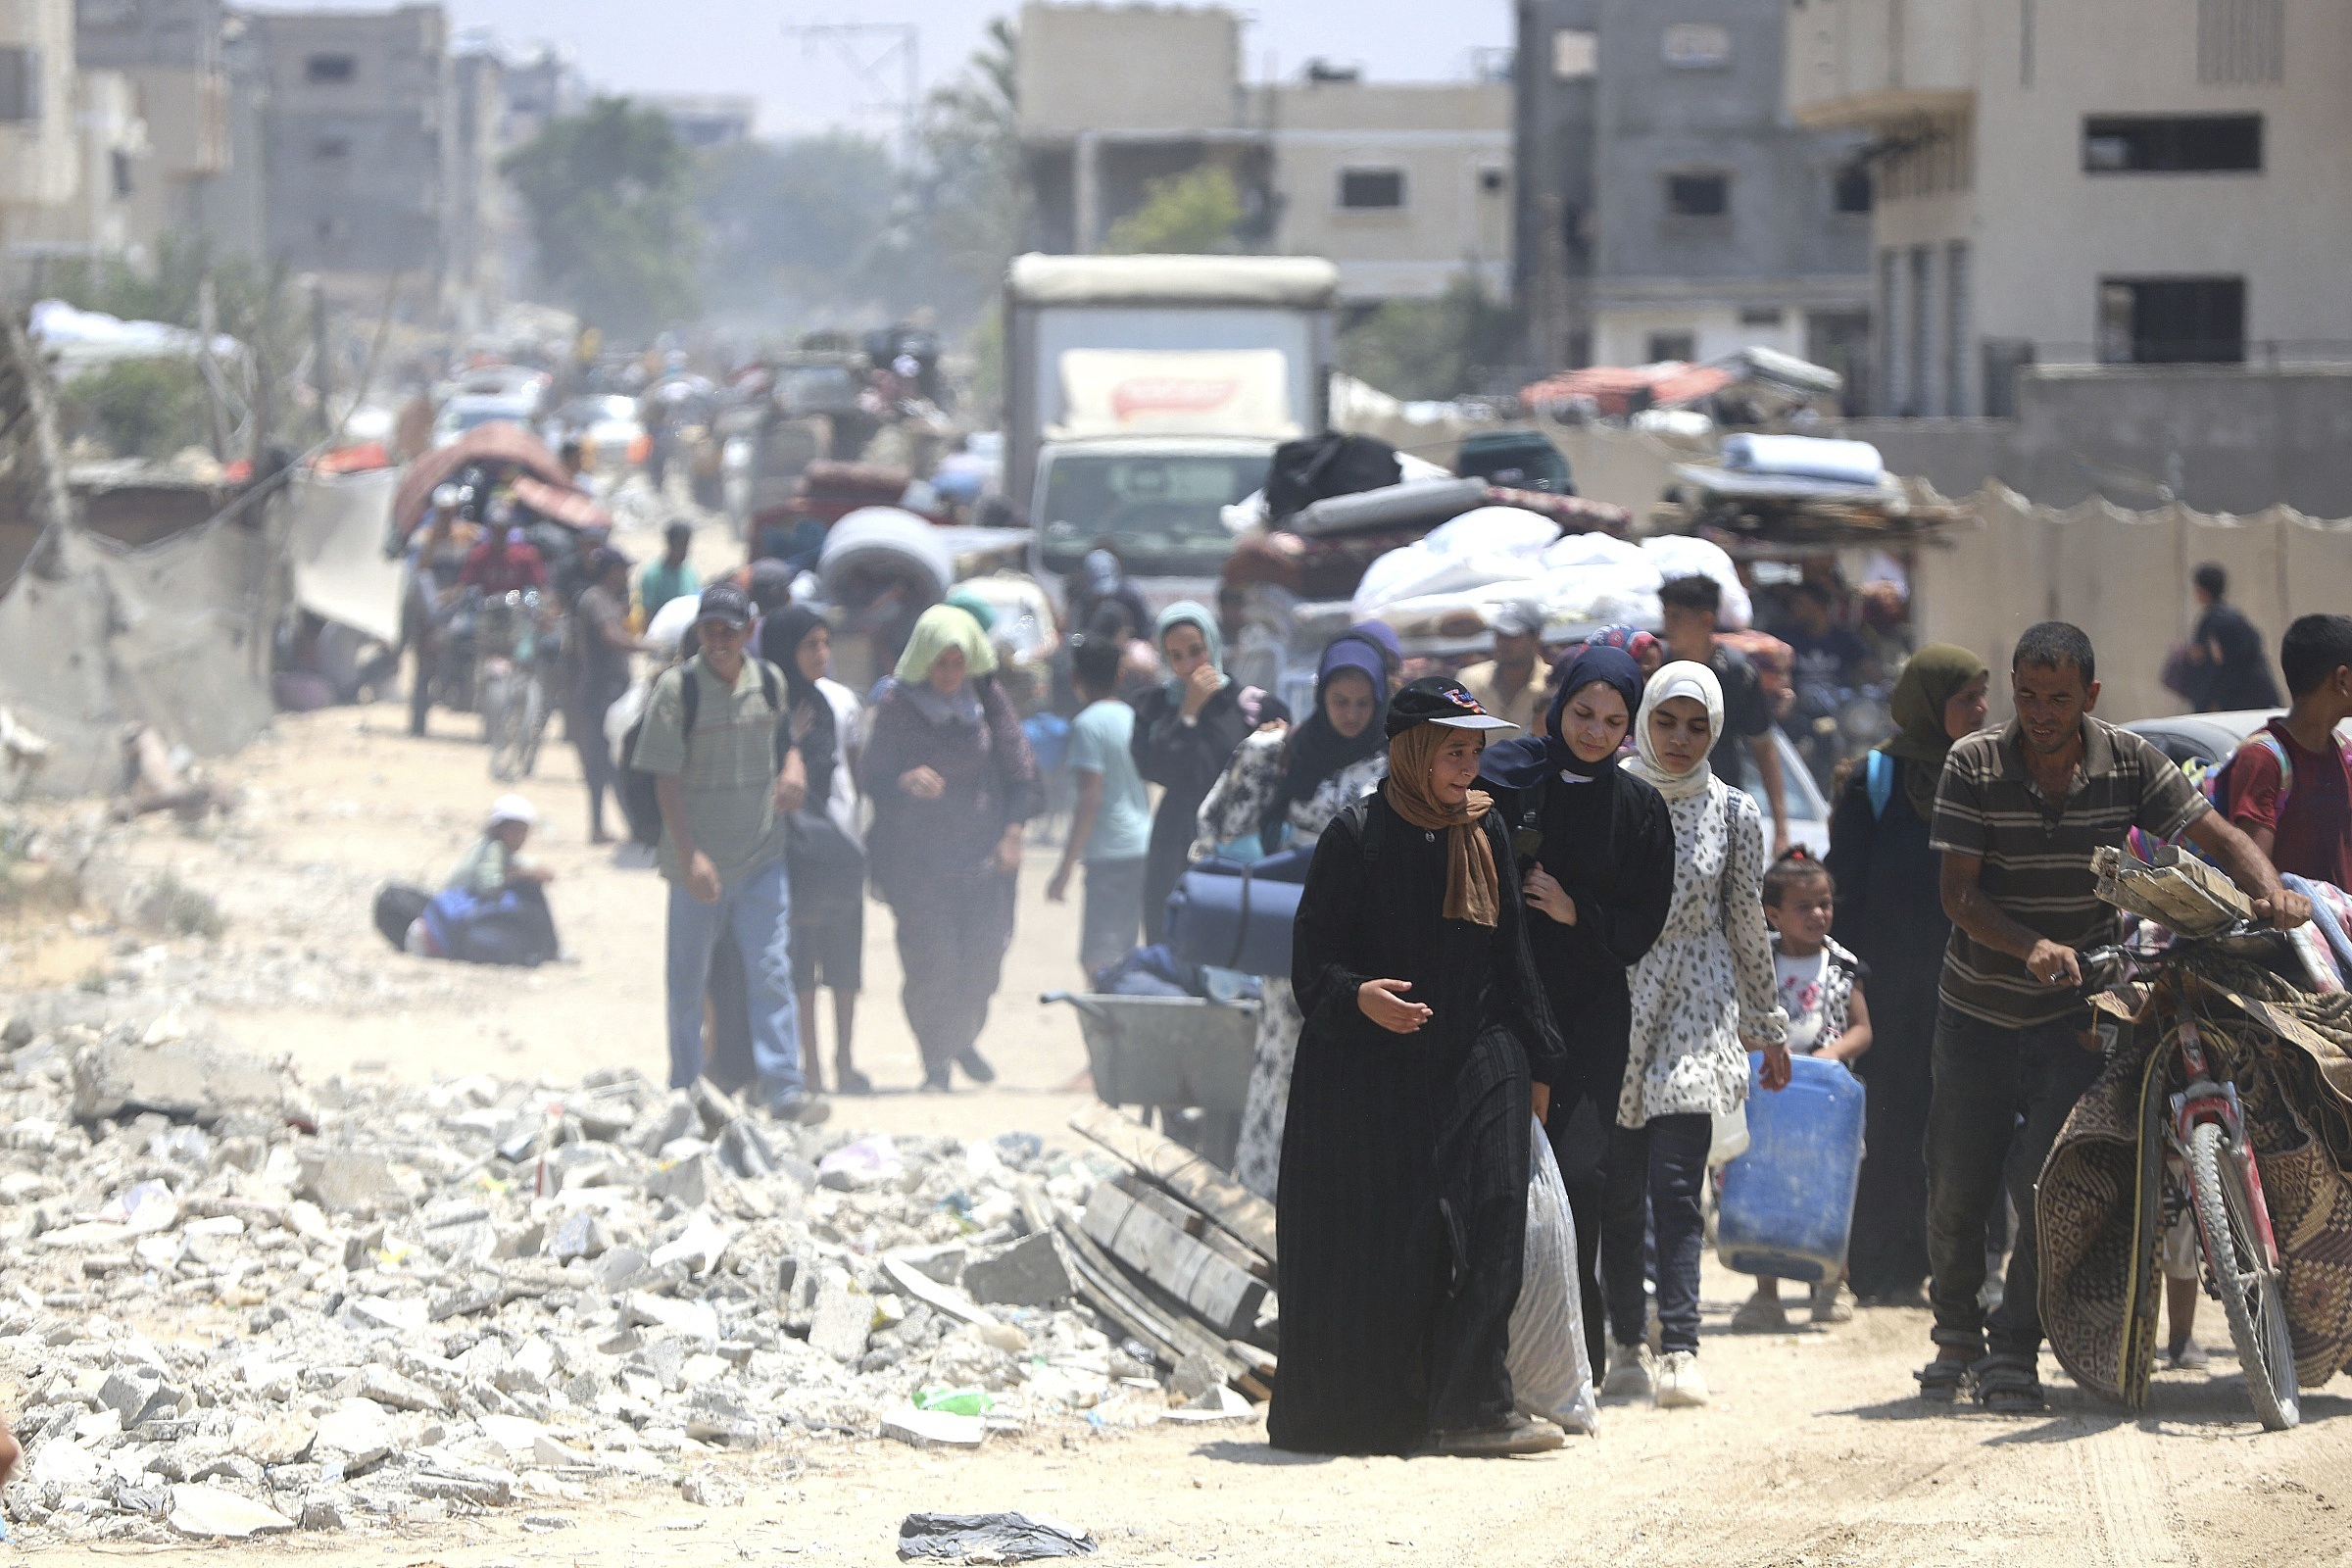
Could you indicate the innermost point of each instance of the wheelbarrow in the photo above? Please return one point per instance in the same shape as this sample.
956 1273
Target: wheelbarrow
1186 1057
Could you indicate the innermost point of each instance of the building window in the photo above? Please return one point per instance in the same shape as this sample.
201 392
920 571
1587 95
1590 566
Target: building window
1664 346
120 162
1698 195
1956 326
2241 41
1371 189
1891 302
2173 320
1492 181
330 149
1575 54
1761 316
1923 293
1849 191
2172 144
19 85
1696 46
330 70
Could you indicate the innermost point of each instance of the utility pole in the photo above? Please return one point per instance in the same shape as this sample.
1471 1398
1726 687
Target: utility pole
871 49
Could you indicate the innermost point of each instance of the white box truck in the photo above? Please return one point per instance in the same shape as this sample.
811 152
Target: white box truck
1142 394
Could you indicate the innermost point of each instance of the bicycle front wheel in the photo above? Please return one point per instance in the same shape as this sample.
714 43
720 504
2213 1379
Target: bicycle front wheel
2250 1291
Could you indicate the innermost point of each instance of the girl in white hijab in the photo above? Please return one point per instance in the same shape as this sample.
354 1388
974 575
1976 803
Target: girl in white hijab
1706 987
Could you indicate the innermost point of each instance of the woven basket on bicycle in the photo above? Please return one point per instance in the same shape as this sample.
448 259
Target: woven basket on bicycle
2099 1202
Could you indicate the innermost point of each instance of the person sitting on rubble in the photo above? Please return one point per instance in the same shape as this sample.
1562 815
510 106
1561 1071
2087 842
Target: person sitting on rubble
494 908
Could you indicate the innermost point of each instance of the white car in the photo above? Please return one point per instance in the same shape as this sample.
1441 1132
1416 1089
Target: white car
607 429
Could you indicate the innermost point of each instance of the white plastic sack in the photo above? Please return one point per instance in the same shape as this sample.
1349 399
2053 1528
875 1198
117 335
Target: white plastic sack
1804 456
1502 530
1550 1375
1682 555
1731 1137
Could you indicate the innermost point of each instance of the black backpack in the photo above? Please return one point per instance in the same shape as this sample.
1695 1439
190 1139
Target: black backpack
639 803
1327 464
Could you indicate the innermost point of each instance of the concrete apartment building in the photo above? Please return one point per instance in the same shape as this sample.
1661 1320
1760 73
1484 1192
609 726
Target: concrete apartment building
1405 186
1667 207
41 147
2050 196
364 166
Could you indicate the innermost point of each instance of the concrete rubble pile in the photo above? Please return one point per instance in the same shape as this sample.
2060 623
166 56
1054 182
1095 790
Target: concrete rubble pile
240 1304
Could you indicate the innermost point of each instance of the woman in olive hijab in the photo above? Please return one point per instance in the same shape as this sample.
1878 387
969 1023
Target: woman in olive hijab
1890 913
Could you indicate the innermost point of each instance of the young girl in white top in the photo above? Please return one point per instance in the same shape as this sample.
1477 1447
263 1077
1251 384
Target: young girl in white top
1820 987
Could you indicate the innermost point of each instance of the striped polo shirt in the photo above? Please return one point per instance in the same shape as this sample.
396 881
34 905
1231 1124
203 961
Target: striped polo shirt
2037 854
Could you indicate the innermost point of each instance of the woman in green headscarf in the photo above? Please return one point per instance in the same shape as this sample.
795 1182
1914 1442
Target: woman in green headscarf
951 782
1186 730
1890 913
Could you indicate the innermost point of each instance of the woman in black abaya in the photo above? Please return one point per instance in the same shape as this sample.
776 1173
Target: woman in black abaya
1601 879
1402 1207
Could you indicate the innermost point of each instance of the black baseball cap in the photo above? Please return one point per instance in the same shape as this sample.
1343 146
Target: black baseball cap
725 603
1439 700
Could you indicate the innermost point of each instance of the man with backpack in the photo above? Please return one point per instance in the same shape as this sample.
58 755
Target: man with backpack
728 779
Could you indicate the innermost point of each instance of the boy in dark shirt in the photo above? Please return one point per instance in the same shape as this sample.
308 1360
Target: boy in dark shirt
2290 786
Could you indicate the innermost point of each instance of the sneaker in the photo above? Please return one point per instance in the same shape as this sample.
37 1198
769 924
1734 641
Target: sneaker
1680 1384
806 1109
1761 1314
975 1066
1515 1433
1830 1304
1629 1373
2190 1357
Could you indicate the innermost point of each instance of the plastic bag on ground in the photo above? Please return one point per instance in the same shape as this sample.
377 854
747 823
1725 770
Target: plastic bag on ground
989 1538
1550 1375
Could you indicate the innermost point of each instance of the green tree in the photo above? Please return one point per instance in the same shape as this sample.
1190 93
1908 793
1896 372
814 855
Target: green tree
609 196
957 222
791 226
1434 349
149 409
1191 213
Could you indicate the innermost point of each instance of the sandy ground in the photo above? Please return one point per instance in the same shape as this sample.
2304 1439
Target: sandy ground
1812 1454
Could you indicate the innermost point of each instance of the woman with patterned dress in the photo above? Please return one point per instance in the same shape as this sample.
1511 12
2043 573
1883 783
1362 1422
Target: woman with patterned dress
1705 987
1296 783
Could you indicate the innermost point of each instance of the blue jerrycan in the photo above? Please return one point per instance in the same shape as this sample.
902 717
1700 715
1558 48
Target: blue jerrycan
1789 1201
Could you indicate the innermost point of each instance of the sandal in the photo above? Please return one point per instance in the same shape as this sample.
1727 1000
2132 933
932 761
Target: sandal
1943 1378
848 1080
2005 1387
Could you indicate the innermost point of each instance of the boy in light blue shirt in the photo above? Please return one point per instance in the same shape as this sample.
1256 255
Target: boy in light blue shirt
1110 827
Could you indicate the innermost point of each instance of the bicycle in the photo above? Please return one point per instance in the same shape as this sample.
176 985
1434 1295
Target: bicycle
2206 1132
511 687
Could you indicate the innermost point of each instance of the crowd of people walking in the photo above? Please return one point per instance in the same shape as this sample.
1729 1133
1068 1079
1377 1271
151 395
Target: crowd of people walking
1595 930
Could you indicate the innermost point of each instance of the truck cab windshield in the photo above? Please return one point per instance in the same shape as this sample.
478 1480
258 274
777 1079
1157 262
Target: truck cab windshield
1158 511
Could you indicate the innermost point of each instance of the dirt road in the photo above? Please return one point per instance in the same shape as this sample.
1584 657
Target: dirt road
1812 1453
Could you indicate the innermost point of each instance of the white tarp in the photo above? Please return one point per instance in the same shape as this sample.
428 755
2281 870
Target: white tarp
95 636
86 339
1442 591
1109 392
340 523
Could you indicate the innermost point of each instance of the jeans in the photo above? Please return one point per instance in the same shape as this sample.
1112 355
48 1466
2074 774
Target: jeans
1987 1076
757 912
1660 1169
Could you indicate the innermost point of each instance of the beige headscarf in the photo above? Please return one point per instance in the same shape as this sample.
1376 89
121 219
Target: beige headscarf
1472 891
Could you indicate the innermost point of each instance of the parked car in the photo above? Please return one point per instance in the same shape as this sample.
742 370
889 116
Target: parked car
607 429
2203 738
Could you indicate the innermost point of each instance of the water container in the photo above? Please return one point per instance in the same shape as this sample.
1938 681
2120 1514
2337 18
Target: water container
1789 1201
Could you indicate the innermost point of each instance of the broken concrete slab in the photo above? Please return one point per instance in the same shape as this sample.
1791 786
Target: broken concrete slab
214 1512
1027 1273
183 1078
